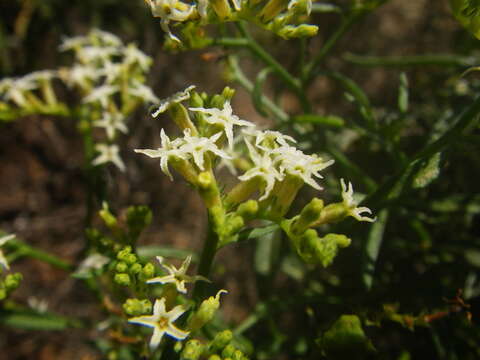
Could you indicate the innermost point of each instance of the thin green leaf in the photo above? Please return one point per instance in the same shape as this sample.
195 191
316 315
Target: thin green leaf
257 93
35 321
429 172
403 93
325 120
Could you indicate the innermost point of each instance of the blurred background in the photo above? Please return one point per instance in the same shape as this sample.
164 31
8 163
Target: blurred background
430 249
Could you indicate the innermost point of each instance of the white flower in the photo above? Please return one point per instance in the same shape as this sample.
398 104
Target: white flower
168 10
70 43
198 146
266 137
175 276
174 99
106 37
88 54
143 92
162 322
112 71
101 94
108 153
264 168
294 162
224 118
112 122
132 55
15 88
92 262
43 75
168 150
3 260
351 204
37 304
80 75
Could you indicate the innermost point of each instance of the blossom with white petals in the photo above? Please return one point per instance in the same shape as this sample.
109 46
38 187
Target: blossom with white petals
71 43
169 149
81 75
176 98
143 92
265 137
170 10
263 167
133 55
351 204
197 147
162 322
106 38
108 153
294 162
15 88
3 260
112 122
101 94
223 118
89 54
175 276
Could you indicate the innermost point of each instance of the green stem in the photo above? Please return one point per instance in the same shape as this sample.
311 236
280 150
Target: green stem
248 85
206 258
331 42
292 82
416 60
26 250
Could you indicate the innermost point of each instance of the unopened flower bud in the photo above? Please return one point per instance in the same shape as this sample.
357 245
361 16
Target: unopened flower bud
136 307
196 100
214 357
272 9
248 209
122 279
309 215
221 8
122 254
228 351
192 350
130 259
221 340
206 311
135 268
12 281
121 267
107 216
148 270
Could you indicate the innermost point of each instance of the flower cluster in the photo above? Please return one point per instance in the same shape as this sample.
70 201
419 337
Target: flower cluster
274 170
278 16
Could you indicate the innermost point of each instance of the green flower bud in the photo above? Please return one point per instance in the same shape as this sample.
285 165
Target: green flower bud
122 279
234 225
12 281
137 307
221 340
248 209
308 216
238 355
228 93
221 8
138 218
130 259
272 9
148 270
135 268
107 216
121 267
304 30
193 350
122 254
196 100
206 311
217 101
181 117
214 357
228 351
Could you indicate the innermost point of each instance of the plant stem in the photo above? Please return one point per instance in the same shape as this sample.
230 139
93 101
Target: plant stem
416 60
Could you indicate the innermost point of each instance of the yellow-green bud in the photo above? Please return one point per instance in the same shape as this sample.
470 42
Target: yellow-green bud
121 267
272 9
124 252
333 213
234 224
196 100
228 93
221 8
309 215
214 357
228 351
148 270
193 350
248 209
204 180
130 259
107 216
206 311
221 340
122 279
237 355
135 268
136 307
218 101
12 281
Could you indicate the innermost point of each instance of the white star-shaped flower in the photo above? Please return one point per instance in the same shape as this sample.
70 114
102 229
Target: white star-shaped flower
175 276
294 162
88 54
197 146
176 98
108 153
132 55
223 118
106 38
143 92
266 137
351 205
170 10
112 122
169 149
162 322
101 94
263 167
15 88
3 260
81 75
70 43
